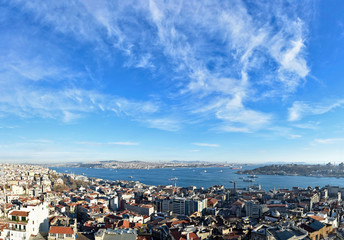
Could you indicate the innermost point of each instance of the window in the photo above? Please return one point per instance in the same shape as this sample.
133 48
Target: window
60 235
13 218
69 235
53 234
23 218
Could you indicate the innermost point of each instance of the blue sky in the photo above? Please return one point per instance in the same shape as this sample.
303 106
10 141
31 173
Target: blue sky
236 81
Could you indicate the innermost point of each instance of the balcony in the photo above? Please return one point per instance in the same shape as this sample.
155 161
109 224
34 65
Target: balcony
16 229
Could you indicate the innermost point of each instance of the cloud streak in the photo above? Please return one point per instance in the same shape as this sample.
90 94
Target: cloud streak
108 143
212 145
301 109
328 140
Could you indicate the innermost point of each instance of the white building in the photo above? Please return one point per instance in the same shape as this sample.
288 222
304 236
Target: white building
17 190
59 232
27 221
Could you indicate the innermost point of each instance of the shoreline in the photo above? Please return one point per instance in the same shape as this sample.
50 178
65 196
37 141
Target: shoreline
141 168
199 178
291 175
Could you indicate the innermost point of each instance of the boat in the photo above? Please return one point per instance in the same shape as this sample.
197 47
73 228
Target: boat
248 180
204 170
231 181
173 169
236 167
252 176
220 171
131 177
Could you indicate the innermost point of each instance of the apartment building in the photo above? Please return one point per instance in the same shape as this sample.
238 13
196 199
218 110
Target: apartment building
27 221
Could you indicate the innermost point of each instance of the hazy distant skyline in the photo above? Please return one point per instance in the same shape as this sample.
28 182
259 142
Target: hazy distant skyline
236 81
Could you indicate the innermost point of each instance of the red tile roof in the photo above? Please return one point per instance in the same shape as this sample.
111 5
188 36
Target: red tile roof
61 230
19 213
123 224
317 218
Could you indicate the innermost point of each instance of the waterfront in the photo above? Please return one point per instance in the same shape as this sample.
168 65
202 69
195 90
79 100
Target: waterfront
199 178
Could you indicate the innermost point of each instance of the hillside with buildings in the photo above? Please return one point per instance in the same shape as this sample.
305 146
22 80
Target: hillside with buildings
328 170
39 203
112 164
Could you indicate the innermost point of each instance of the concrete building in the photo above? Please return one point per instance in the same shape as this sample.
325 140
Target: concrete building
178 205
253 209
143 209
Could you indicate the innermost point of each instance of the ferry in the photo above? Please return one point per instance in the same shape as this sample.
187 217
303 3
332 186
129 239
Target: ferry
236 167
248 180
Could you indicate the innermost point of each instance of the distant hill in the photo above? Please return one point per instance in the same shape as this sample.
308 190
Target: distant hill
328 170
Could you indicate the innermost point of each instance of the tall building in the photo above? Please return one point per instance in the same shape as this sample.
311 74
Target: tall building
178 205
252 209
113 203
194 205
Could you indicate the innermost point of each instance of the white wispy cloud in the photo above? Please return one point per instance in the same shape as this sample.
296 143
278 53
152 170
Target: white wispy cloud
167 124
294 136
328 140
308 125
301 109
69 105
206 144
124 143
248 43
209 52
194 150
285 132
91 143
44 141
